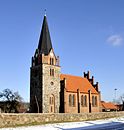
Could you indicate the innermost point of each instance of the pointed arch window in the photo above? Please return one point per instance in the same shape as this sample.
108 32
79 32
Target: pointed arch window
73 100
82 100
85 100
70 100
51 61
93 101
51 72
51 103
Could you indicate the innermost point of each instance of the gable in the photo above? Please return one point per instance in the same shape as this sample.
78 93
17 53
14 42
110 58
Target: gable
52 54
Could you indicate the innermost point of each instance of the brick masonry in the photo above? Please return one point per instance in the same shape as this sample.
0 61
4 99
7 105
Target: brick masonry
7 120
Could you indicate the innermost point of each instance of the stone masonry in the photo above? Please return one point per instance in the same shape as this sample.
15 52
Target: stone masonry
11 120
51 86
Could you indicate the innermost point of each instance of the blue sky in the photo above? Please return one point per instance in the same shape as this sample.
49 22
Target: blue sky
86 34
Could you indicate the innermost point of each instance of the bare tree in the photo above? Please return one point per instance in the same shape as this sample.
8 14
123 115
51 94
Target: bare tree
11 101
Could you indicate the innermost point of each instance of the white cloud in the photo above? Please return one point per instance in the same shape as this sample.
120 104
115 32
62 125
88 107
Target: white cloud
115 40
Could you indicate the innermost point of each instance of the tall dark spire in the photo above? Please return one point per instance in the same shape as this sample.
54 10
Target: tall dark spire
45 44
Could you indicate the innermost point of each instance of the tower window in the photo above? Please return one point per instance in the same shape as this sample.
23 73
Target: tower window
51 72
51 100
51 61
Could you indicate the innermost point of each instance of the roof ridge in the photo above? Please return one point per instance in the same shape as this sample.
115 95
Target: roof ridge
73 75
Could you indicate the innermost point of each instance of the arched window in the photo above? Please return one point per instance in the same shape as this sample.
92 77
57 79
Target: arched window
51 100
70 101
85 100
51 103
51 61
51 72
73 100
82 102
95 100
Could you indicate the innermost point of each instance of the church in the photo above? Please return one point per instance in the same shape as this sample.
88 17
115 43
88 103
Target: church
54 92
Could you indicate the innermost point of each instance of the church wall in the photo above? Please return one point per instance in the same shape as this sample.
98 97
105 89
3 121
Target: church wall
71 109
83 109
96 108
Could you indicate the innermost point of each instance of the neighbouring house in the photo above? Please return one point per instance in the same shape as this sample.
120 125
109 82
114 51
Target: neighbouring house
108 106
54 92
23 108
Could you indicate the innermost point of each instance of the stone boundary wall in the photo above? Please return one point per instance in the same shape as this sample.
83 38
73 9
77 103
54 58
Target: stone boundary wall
11 120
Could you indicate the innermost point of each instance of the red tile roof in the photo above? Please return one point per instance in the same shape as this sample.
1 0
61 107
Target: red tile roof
75 82
108 105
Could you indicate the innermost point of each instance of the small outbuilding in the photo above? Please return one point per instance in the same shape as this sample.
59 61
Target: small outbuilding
108 106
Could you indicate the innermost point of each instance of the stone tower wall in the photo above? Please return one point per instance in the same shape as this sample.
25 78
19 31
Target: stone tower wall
36 89
50 86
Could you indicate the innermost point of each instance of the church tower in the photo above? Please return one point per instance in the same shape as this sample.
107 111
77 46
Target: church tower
44 76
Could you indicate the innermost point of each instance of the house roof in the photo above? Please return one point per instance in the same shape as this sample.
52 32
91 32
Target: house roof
108 105
45 44
76 82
